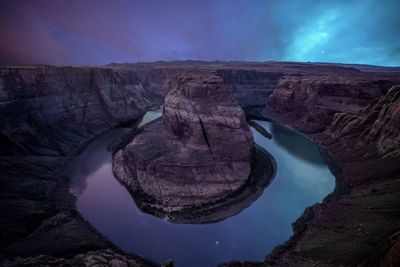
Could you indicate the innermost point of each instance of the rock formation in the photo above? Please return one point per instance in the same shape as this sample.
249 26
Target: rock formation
310 101
106 257
47 112
376 126
357 121
199 153
250 87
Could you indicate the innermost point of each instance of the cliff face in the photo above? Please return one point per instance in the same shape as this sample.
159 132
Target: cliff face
252 84
309 102
48 110
45 114
377 126
199 153
250 87
357 121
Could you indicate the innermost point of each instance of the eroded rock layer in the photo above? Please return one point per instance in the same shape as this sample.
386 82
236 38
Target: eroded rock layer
360 130
309 102
200 152
48 112
376 126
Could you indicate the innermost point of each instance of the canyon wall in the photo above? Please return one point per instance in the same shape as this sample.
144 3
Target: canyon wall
309 102
47 112
356 120
376 126
250 87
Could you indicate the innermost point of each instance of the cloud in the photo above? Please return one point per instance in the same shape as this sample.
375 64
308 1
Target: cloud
98 32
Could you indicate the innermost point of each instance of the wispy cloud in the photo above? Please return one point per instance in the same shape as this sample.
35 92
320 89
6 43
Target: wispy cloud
99 32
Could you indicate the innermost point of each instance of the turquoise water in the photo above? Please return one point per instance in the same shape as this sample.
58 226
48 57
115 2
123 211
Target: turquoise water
302 179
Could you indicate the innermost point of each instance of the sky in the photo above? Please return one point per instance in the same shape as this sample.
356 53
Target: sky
97 32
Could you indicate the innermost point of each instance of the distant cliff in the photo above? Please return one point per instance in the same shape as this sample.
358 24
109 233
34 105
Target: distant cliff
48 110
310 101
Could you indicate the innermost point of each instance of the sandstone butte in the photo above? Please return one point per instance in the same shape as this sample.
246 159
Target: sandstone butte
200 152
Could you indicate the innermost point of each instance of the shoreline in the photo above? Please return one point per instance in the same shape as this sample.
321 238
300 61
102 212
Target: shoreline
64 195
64 212
313 220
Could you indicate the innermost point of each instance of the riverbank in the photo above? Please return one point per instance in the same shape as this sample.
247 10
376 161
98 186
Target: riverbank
49 213
356 219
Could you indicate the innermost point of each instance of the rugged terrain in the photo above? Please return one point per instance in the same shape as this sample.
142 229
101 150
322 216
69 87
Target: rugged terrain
196 158
359 126
49 113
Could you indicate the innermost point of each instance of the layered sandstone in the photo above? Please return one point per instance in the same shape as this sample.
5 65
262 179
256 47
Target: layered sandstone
199 153
309 102
106 257
377 126
47 112
361 133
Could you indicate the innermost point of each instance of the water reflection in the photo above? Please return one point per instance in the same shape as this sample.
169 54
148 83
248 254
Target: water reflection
295 143
298 159
249 235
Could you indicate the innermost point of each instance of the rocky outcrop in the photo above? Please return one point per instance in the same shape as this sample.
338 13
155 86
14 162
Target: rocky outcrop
377 126
250 87
387 255
360 133
48 110
260 129
252 84
46 113
106 257
199 153
309 102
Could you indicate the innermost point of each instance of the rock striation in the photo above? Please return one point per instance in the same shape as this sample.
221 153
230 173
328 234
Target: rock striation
105 257
309 102
360 131
47 113
200 151
47 110
377 126
250 87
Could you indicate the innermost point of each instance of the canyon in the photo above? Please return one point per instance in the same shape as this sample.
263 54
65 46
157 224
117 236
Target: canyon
49 113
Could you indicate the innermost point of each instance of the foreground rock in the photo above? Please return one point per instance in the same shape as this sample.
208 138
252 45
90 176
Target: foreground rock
198 154
106 257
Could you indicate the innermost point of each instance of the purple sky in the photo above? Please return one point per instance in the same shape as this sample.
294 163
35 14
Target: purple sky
94 32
